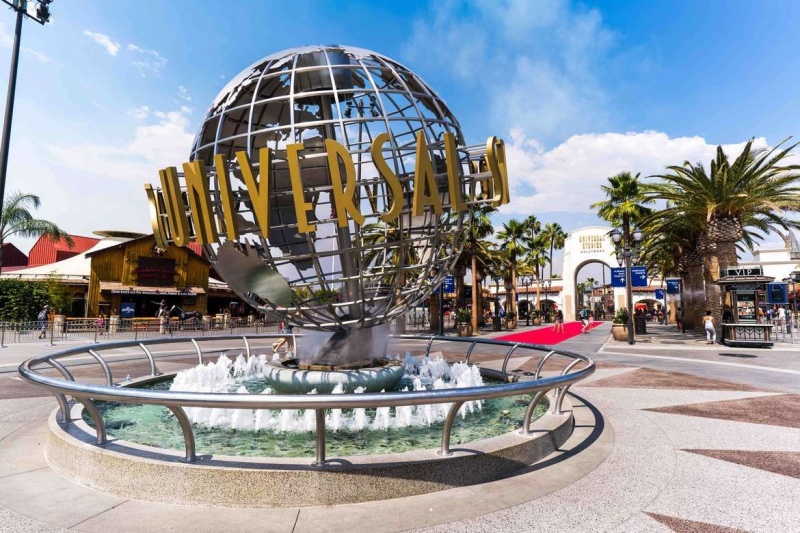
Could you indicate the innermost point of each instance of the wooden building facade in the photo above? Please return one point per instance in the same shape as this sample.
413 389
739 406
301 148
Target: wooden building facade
131 278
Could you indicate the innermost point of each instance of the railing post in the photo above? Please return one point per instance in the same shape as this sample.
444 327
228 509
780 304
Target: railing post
99 425
448 428
320 460
3 337
188 434
428 348
96 327
508 356
246 345
153 370
526 425
199 352
106 370
52 329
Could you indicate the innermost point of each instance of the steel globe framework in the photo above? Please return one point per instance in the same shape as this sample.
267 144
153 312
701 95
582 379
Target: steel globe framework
359 274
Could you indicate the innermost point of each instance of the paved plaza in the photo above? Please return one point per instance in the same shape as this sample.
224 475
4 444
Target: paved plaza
670 435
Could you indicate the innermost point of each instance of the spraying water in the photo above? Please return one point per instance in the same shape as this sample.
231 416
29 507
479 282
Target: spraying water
226 375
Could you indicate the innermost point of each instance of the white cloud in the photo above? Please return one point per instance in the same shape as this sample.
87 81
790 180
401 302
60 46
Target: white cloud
154 146
140 113
7 40
112 47
539 63
184 94
568 177
149 62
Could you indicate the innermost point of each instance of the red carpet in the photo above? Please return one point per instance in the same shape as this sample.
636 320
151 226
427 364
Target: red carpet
547 335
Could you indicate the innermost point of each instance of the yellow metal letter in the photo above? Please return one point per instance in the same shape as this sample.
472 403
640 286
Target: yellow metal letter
176 207
301 207
156 220
343 199
424 179
258 190
386 173
194 174
226 197
496 160
453 174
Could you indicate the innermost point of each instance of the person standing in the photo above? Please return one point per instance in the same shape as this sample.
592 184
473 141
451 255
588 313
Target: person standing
708 326
591 322
559 321
101 320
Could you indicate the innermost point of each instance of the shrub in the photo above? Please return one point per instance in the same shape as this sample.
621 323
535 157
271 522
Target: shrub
621 317
463 316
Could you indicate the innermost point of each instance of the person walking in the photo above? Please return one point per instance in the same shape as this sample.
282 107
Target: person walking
559 321
286 329
42 319
101 320
708 325
591 322
584 316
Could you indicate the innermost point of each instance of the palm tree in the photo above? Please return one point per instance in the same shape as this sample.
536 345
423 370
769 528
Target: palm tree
537 259
16 219
591 284
512 238
555 235
757 190
475 251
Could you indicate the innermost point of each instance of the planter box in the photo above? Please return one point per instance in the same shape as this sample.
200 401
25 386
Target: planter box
511 324
537 321
465 330
620 332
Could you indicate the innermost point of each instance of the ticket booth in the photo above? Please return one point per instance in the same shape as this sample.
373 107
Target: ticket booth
745 288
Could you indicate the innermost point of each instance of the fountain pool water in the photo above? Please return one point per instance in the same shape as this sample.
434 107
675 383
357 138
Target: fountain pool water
290 433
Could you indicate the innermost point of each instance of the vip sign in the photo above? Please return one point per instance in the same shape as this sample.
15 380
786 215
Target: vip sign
172 218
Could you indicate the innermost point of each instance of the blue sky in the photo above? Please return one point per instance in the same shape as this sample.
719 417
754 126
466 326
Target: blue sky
112 91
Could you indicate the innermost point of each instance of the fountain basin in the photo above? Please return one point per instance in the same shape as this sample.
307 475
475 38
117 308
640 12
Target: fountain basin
155 474
286 378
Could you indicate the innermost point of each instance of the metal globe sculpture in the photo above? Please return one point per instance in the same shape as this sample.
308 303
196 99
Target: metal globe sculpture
339 187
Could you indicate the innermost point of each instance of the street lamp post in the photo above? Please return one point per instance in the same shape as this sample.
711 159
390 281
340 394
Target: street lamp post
42 16
526 282
627 245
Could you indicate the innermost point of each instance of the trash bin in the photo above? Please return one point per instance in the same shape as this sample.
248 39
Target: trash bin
497 323
639 325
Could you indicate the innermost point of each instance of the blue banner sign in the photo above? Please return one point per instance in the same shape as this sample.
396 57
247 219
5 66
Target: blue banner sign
659 294
617 277
127 310
777 293
673 286
449 285
638 276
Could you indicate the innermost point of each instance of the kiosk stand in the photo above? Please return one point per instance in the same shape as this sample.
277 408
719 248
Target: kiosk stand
747 287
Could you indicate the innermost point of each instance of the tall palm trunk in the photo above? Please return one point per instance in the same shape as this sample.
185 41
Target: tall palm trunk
694 292
710 276
512 307
538 289
476 288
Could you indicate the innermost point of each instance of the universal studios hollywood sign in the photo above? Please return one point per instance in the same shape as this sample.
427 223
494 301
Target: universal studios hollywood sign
174 221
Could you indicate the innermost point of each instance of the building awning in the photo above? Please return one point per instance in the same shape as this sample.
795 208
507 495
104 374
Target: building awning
119 288
732 280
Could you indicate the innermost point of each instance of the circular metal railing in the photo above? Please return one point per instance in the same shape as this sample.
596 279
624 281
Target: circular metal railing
175 401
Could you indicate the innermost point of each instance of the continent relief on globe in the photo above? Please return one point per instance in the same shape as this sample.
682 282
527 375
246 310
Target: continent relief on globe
171 219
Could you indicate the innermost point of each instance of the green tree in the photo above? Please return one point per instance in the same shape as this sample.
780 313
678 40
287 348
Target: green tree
17 220
22 300
758 189
513 238
555 235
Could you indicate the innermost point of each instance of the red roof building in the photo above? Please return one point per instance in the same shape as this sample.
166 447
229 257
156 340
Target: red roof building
46 251
13 258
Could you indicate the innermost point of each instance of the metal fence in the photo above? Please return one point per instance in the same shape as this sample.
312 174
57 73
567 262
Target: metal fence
87 394
129 328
